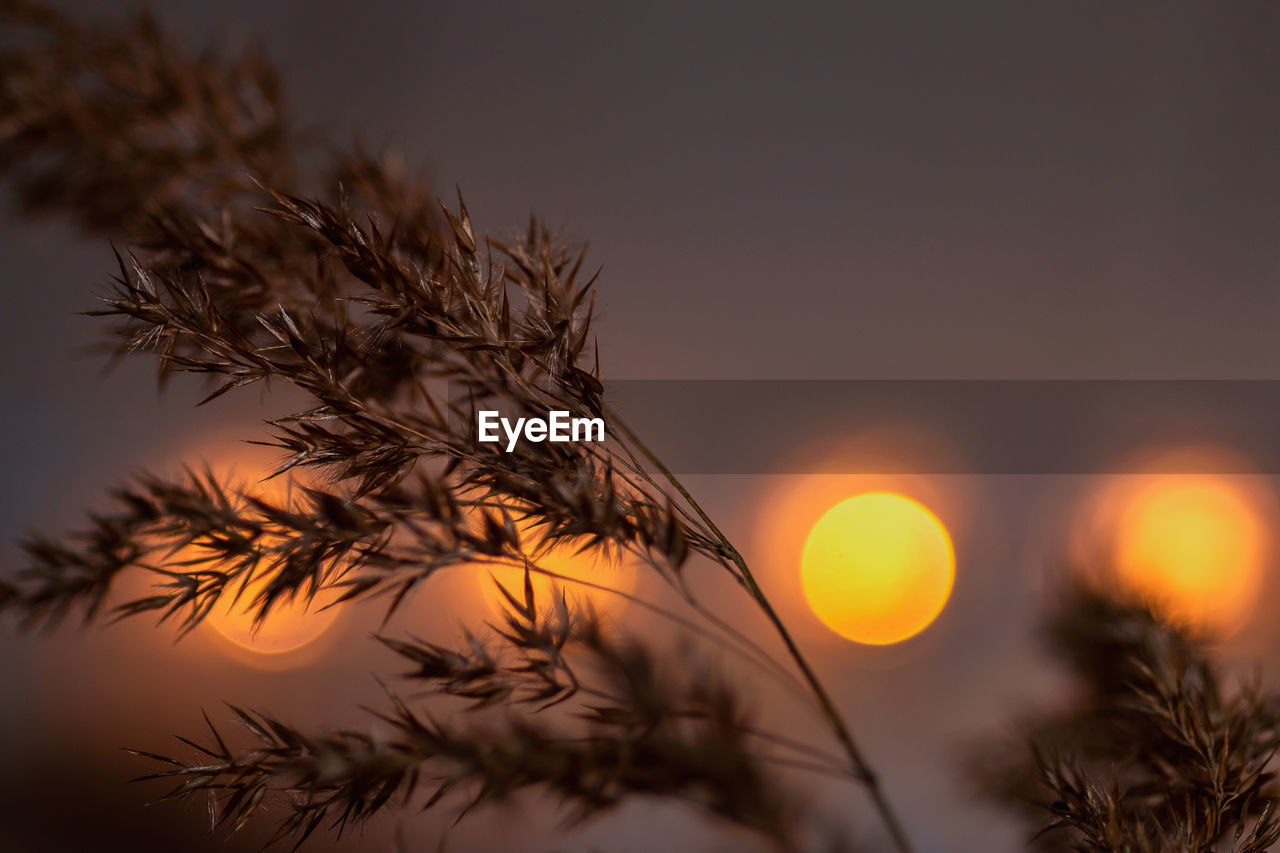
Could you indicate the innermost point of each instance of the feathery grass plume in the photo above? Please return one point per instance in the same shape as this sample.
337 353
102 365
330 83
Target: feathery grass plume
643 730
254 257
1155 754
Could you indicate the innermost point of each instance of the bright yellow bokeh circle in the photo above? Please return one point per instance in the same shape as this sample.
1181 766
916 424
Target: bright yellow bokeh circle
878 568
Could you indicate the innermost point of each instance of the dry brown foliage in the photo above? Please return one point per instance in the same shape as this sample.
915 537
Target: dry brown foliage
1155 754
251 257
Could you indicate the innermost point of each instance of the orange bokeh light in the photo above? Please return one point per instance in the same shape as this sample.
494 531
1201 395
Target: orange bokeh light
293 623
588 566
878 568
1194 545
290 626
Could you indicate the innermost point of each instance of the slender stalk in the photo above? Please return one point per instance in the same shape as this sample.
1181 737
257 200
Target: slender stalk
749 652
858 763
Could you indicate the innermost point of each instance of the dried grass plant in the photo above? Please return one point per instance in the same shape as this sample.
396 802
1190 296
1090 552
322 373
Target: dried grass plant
251 256
1156 754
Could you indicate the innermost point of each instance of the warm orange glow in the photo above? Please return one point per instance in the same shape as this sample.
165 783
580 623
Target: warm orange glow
1193 545
562 560
878 568
291 624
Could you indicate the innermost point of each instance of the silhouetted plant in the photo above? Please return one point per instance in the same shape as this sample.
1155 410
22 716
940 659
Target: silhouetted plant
1155 754
253 257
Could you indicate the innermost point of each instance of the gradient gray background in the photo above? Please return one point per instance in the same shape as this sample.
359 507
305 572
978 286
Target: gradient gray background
948 190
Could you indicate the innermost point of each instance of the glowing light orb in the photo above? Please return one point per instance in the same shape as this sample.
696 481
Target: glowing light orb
292 623
878 568
562 560
1194 546
289 626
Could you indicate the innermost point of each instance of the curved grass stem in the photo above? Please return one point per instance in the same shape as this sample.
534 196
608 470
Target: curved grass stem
857 761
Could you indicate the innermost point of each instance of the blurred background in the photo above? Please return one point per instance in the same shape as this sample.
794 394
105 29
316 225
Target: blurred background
879 191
